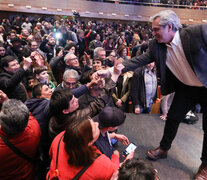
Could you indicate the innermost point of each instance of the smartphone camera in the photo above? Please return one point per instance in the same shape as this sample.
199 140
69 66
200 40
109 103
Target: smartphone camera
131 147
58 35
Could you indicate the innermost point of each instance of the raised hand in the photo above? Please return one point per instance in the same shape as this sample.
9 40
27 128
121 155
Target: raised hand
27 62
3 97
88 60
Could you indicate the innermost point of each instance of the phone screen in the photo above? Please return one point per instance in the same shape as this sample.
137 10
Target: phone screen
130 148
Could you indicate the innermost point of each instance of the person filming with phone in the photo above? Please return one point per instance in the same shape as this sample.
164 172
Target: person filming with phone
109 119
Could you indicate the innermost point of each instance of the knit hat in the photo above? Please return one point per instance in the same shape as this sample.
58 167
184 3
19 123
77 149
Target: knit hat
110 117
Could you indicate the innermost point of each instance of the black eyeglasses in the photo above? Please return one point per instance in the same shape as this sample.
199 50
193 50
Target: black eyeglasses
70 84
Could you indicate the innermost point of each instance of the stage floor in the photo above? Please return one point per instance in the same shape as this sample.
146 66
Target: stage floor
183 160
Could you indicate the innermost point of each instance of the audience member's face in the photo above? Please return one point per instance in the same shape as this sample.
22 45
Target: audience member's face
97 65
81 35
111 41
100 84
70 83
34 46
72 61
46 25
124 52
73 105
25 32
120 41
98 37
13 66
46 92
43 77
151 65
12 35
2 51
84 61
72 50
102 54
95 131
38 58
31 83
16 45
52 41
112 56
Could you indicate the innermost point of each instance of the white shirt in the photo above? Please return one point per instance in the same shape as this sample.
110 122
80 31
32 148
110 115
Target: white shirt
178 64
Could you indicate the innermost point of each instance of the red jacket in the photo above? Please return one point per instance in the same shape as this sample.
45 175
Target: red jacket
102 168
12 165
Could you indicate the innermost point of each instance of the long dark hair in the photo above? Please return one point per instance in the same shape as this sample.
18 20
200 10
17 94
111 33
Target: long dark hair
76 138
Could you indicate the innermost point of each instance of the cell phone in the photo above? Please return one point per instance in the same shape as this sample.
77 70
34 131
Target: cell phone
131 147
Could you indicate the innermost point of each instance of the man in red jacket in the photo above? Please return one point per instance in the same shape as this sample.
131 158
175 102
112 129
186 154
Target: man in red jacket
19 127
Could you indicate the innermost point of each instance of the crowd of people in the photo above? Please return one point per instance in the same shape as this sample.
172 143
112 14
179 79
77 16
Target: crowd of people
191 4
49 76
64 88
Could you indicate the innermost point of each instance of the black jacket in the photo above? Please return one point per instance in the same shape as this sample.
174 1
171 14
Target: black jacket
49 50
138 89
57 125
12 84
194 42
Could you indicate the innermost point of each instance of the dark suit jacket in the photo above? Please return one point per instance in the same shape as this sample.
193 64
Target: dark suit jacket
194 42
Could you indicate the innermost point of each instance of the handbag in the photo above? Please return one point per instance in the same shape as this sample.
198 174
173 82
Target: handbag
56 175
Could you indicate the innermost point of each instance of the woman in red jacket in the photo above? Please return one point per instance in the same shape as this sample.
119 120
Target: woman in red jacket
76 151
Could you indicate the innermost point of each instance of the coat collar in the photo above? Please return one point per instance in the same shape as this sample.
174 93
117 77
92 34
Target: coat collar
185 40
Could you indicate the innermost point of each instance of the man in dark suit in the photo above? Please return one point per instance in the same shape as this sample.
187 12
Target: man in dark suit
180 55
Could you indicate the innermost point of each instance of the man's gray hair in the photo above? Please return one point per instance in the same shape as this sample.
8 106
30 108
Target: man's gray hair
97 50
66 56
71 73
13 117
168 17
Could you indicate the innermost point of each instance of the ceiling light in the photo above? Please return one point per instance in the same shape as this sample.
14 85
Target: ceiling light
28 7
11 5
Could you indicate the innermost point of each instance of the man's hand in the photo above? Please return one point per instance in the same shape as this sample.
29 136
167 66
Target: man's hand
137 110
130 155
104 73
49 36
94 81
27 63
119 103
88 60
3 97
120 137
116 152
163 117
